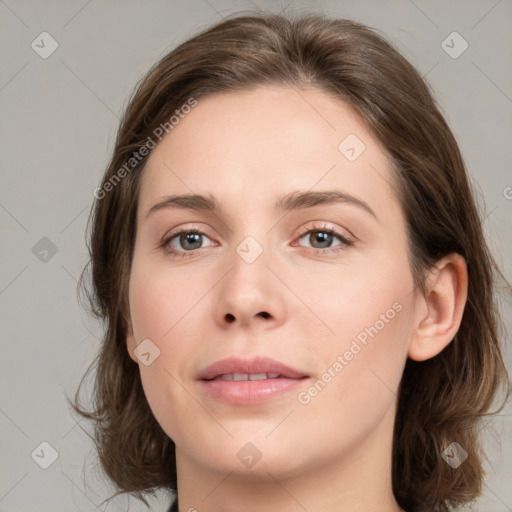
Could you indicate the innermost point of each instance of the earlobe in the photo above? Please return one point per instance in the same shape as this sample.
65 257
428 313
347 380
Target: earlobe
445 300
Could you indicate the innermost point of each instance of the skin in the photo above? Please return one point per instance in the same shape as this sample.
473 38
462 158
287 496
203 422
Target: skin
248 149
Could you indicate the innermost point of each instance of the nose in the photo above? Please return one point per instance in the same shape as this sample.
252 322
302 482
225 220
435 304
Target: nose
250 296
230 318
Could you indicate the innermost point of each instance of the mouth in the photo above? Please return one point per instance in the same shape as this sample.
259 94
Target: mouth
249 381
246 376
256 368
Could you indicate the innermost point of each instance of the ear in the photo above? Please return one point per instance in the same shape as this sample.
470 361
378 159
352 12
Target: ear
440 309
131 344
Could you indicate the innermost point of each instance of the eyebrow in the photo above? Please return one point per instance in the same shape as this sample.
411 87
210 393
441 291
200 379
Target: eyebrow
297 200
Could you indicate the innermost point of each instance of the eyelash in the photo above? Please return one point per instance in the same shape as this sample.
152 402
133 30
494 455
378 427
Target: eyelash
164 245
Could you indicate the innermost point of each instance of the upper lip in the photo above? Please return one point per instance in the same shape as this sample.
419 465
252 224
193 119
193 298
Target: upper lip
258 364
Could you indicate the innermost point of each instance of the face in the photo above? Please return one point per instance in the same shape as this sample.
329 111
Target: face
318 282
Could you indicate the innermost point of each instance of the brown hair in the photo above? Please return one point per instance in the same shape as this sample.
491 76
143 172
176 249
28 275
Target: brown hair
440 400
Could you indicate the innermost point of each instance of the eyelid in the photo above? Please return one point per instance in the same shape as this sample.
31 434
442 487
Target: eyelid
178 231
349 237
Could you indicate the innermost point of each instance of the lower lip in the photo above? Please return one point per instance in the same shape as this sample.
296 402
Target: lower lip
250 392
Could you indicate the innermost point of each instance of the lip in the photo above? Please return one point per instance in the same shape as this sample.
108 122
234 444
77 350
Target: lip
250 392
258 364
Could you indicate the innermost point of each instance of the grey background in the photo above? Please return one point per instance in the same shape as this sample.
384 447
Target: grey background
57 129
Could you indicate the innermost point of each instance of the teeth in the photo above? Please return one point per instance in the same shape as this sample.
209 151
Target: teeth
257 376
247 376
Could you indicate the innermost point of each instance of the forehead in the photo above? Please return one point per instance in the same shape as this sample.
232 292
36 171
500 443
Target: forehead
257 145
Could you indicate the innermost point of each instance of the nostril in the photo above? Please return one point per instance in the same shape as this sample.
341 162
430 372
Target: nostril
264 314
230 318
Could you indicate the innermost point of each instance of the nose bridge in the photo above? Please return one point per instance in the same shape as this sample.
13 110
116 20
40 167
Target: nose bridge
249 274
251 248
247 293
250 234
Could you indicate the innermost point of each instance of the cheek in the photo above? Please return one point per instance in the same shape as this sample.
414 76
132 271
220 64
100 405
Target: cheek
362 368
162 309
352 297
365 316
159 301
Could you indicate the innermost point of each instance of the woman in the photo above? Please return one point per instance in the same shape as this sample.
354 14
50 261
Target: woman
297 292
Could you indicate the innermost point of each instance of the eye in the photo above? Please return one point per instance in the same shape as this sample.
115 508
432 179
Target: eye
183 242
186 242
321 239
